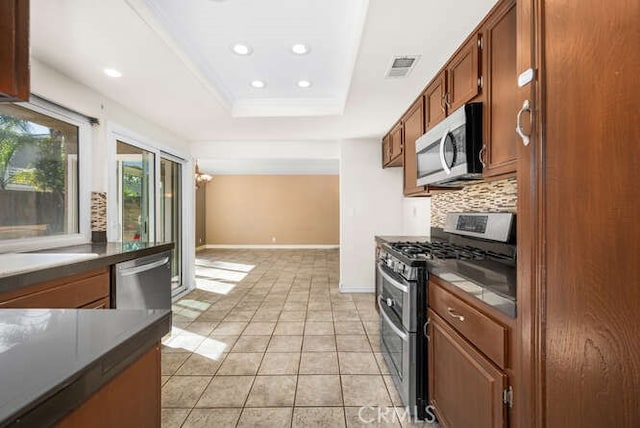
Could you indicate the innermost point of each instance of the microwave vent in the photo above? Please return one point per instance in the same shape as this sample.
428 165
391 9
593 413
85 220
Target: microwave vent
401 66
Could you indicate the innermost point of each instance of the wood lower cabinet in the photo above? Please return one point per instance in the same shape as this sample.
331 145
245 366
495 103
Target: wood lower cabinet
14 50
131 399
89 289
434 94
500 152
465 388
463 72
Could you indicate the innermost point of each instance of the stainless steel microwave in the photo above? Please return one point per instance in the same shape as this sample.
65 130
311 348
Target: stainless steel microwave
449 154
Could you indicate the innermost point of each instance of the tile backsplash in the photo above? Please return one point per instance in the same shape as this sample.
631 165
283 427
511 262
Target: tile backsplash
491 196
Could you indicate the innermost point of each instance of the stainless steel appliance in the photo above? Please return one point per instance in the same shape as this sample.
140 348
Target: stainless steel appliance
143 283
476 248
449 154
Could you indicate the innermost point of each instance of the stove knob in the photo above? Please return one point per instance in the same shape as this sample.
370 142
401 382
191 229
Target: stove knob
389 302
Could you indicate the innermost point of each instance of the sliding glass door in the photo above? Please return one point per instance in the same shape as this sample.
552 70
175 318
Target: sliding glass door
170 221
136 192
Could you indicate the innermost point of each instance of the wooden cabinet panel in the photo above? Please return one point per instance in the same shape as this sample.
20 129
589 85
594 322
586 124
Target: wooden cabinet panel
462 75
386 150
14 50
465 388
131 399
590 243
487 335
435 109
413 129
499 35
396 143
71 292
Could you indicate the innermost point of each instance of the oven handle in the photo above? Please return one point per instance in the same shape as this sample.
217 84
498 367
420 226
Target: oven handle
396 330
392 281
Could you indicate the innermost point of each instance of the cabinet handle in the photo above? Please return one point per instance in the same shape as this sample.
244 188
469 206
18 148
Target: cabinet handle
442 105
425 329
446 100
525 137
481 157
454 314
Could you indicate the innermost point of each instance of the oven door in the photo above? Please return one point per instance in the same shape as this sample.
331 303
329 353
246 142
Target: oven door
399 353
399 297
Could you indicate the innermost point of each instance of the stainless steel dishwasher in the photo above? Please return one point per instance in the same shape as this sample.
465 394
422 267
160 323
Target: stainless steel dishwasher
144 283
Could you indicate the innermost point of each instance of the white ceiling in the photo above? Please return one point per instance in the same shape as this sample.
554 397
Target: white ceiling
206 30
165 83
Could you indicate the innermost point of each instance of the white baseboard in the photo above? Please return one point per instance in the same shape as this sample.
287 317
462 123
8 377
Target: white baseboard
201 247
357 288
273 246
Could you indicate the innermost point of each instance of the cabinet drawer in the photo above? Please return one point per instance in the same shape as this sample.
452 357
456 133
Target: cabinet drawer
70 292
487 335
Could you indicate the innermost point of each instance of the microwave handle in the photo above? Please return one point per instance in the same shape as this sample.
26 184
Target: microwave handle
443 161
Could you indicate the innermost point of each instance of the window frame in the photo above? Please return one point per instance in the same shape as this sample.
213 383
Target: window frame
84 184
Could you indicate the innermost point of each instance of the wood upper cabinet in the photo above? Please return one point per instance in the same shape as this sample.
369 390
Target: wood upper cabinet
435 108
396 145
501 89
465 388
89 289
14 50
386 150
413 129
463 73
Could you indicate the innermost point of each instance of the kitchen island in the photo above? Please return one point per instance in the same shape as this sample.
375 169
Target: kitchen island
79 367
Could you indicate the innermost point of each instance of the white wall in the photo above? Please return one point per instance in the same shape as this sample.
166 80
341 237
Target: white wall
58 88
416 216
371 203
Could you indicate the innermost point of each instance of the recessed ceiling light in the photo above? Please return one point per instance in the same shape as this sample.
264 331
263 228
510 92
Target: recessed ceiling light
112 72
258 84
300 49
241 49
304 83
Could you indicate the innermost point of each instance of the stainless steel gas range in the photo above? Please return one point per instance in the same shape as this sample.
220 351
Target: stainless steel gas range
479 247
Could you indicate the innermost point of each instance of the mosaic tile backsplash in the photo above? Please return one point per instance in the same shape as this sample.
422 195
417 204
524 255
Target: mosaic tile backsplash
484 197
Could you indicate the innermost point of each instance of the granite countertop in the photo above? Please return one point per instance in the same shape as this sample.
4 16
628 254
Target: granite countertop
52 360
55 263
491 282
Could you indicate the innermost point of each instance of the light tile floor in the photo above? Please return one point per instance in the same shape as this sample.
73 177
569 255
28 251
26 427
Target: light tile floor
267 339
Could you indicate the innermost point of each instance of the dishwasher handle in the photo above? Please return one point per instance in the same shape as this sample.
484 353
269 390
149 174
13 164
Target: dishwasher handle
127 271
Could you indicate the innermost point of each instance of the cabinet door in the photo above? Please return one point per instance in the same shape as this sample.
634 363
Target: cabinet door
462 75
435 109
386 150
464 387
413 129
14 50
501 92
395 140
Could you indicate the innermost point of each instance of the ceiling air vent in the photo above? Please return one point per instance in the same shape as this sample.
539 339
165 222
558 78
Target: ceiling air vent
401 66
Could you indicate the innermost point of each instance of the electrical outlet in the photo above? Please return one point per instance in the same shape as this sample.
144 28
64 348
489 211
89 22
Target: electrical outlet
273 239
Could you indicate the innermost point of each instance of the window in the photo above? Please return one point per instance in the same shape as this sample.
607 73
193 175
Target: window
38 174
